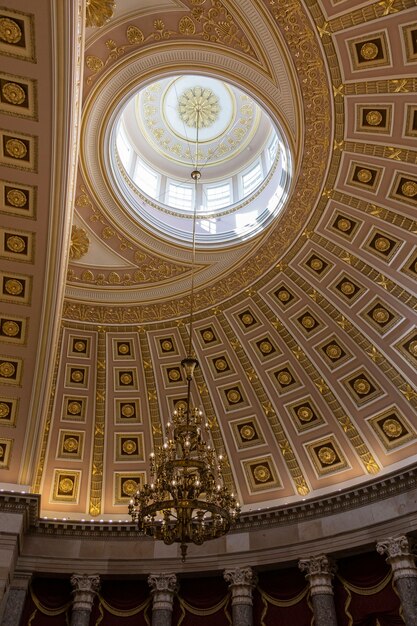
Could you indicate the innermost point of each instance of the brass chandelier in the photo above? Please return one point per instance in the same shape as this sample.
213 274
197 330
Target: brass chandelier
186 500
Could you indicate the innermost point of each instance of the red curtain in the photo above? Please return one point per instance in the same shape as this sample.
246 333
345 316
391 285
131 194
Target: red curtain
48 602
364 594
203 601
128 601
281 597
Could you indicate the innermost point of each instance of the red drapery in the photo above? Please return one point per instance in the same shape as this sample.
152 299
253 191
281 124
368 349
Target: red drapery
364 595
281 597
202 601
48 603
128 601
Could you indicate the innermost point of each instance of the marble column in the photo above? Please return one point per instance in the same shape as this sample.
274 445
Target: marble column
404 574
241 581
85 589
320 571
163 588
16 598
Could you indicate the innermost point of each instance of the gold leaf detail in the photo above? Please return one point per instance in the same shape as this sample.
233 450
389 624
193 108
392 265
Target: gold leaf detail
134 35
98 12
186 26
94 63
79 243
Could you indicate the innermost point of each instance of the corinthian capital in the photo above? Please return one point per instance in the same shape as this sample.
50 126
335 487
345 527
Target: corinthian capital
241 581
399 556
240 576
319 572
85 588
394 546
162 582
163 586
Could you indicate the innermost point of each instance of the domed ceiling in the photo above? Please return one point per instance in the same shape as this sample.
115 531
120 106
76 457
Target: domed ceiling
305 330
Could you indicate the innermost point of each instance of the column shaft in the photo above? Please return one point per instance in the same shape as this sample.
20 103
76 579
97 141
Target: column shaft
324 610
16 599
407 590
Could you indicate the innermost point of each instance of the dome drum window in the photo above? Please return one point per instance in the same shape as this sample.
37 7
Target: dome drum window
243 157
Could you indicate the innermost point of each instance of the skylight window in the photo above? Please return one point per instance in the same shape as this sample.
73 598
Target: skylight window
218 196
252 179
124 149
273 148
146 178
180 196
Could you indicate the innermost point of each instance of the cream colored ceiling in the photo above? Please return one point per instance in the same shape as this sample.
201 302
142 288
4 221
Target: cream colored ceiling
306 336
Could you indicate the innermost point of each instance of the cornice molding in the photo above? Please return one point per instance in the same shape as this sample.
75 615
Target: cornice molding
346 500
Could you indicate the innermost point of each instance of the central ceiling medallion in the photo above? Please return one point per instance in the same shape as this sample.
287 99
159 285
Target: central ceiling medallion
198 107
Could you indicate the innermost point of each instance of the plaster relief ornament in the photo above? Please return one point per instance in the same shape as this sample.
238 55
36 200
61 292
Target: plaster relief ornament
10 328
374 118
98 12
16 198
16 148
198 104
13 93
10 31
79 243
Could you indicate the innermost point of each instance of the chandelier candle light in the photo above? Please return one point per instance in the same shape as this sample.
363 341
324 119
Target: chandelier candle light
187 501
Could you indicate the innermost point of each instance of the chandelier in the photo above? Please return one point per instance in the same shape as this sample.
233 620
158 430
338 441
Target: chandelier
186 500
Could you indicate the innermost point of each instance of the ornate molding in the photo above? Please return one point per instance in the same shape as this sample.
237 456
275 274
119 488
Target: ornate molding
212 24
393 485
